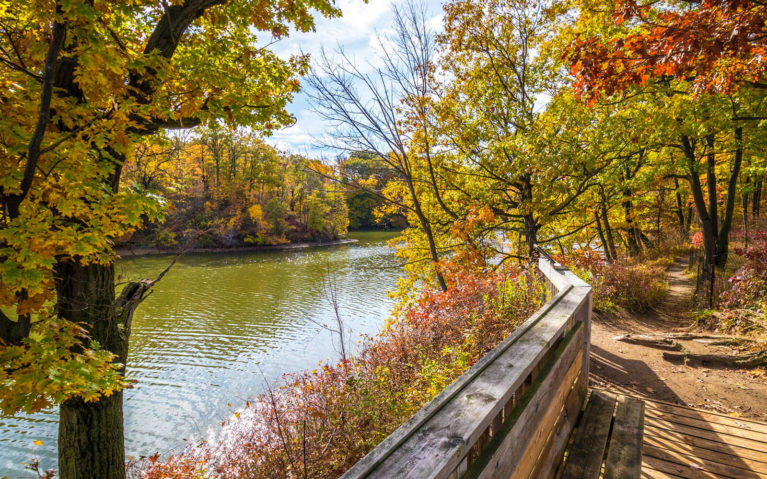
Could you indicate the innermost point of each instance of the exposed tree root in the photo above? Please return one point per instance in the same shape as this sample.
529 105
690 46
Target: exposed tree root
650 341
669 341
746 361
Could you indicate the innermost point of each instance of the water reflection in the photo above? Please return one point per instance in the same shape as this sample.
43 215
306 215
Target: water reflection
217 326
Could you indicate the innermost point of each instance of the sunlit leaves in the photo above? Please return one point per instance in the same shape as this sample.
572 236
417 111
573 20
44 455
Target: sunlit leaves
715 44
116 83
47 368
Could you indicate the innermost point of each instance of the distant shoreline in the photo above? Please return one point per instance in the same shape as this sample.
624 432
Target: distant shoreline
132 252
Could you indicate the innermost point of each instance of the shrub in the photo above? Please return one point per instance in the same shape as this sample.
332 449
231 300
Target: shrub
320 422
636 284
744 302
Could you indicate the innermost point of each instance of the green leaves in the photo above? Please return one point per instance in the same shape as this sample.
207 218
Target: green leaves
122 75
45 370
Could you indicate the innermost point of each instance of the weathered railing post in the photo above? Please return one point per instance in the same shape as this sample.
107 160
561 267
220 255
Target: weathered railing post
560 277
510 414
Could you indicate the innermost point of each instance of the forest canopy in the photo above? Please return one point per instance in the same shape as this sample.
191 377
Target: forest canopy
605 129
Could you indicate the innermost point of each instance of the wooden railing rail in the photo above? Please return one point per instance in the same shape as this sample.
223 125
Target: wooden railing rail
509 415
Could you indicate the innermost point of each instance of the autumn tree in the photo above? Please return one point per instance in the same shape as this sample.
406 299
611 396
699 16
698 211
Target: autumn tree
387 113
523 144
83 82
706 90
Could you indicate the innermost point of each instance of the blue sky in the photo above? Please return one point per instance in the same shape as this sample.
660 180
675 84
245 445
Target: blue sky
357 33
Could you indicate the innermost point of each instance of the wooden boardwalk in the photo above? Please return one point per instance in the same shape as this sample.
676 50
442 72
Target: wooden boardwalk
519 413
624 437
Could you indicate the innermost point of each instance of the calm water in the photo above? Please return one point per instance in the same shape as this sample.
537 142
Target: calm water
217 327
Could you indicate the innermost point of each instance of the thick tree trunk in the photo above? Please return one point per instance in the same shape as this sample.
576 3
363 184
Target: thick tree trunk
679 207
632 240
91 439
706 223
531 235
530 224
14 332
723 238
91 433
711 182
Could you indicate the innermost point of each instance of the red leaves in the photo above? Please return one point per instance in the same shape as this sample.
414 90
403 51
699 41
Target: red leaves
718 44
326 420
748 286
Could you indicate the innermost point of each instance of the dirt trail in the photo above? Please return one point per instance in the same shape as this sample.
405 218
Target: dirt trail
642 371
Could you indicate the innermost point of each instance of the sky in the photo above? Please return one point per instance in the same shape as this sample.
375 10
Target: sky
356 31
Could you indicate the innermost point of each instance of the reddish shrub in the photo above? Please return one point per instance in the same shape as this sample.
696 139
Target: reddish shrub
319 423
636 284
748 286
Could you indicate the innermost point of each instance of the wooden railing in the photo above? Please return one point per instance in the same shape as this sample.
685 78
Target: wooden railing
509 415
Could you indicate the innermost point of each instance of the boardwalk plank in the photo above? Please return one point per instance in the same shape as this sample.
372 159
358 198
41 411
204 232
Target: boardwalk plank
730 457
707 416
709 426
587 451
650 473
678 470
700 463
701 443
723 438
624 453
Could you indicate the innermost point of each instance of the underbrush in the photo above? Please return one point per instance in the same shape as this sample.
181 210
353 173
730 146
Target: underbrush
633 283
743 304
320 422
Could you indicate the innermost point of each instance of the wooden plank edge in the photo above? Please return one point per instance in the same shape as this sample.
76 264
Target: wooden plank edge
384 449
568 349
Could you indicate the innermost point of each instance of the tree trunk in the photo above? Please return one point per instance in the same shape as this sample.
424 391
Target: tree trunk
14 332
605 248
91 439
679 207
531 235
632 240
91 433
608 229
711 183
723 238
706 223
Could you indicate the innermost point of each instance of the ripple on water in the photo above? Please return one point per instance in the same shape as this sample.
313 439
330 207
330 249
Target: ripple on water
215 329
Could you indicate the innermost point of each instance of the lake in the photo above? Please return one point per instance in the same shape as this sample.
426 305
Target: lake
216 329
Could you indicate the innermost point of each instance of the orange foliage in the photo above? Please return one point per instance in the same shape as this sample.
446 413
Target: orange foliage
322 421
717 44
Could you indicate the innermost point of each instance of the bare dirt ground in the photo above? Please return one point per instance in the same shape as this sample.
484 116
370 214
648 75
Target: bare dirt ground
641 371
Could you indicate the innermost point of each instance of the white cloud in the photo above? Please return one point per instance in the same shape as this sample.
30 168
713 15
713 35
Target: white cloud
357 33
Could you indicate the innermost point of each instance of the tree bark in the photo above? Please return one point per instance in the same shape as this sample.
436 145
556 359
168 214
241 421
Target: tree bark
711 183
632 240
91 433
531 234
679 207
14 332
608 228
723 238
91 439
605 248
707 226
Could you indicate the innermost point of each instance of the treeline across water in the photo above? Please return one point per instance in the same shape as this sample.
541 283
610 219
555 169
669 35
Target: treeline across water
223 188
